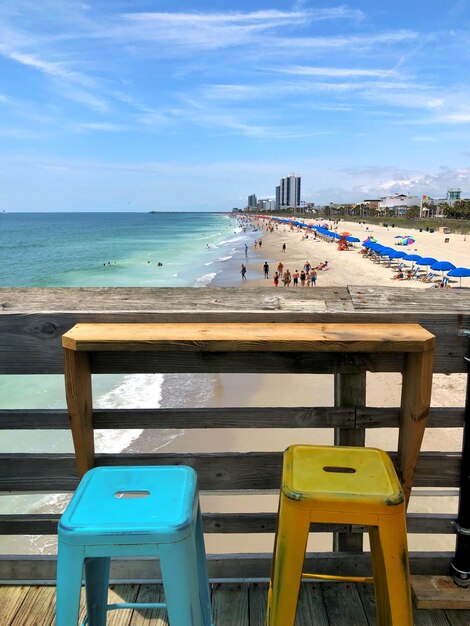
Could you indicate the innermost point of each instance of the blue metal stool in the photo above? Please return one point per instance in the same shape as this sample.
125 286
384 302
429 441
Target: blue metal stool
133 511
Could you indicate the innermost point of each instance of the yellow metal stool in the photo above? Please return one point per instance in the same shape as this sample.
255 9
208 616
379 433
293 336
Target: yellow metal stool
328 484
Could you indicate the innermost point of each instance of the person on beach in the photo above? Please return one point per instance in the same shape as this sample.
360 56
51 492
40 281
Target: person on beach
280 267
303 276
243 272
283 247
286 278
322 266
307 267
276 279
246 249
260 242
295 278
266 269
313 277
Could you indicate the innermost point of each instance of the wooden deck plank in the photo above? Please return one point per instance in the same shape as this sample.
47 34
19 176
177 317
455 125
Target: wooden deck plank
11 598
321 604
343 604
311 607
230 605
38 608
257 600
197 337
458 618
431 592
144 617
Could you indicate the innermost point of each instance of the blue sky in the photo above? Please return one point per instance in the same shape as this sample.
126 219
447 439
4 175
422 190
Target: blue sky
115 105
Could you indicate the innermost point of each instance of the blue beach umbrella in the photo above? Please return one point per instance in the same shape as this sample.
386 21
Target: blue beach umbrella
412 258
443 266
352 239
426 260
459 272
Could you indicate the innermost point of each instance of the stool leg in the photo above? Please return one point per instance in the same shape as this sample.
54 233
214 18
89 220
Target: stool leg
178 562
288 559
391 571
203 578
97 582
69 583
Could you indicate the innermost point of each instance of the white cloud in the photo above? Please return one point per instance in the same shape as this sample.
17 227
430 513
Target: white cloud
336 72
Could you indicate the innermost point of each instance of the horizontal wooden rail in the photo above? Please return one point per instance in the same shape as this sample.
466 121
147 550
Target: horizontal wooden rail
222 566
221 471
224 523
230 417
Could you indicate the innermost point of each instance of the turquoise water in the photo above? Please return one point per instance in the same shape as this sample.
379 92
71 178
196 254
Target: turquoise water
109 249
118 249
104 250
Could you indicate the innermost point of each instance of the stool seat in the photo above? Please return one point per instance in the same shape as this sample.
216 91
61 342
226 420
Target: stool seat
128 512
131 505
340 485
362 479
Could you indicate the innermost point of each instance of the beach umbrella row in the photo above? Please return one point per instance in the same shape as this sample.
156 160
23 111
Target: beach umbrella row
431 262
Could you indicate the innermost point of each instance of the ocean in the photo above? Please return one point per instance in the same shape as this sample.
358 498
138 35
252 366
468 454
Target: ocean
110 250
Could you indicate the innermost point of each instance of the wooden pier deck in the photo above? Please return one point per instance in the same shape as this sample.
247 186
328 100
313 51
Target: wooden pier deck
242 604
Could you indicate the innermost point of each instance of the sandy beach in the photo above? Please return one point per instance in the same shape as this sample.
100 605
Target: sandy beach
349 267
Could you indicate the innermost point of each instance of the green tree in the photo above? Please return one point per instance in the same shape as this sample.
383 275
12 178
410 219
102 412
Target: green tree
412 212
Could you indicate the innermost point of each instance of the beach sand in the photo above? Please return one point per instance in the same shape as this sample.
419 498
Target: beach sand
349 267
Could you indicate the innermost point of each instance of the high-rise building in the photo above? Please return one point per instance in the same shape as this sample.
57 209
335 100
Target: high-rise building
278 198
252 201
290 191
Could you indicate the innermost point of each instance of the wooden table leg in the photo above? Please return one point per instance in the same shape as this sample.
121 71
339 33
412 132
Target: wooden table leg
415 403
80 405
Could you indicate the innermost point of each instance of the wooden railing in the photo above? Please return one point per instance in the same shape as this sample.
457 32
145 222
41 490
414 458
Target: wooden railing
32 322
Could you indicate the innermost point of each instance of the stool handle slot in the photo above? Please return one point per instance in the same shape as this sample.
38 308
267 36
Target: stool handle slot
132 494
339 470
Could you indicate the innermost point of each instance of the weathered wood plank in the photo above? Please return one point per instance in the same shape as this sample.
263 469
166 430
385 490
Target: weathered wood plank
370 298
38 608
257 600
311 607
224 523
458 618
31 342
222 566
144 617
343 604
230 605
229 417
350 390
439 592
11 599
216 471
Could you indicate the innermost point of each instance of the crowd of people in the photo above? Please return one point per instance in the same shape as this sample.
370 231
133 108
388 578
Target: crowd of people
307 277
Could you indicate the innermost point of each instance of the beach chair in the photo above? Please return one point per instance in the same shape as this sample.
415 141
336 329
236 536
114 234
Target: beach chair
415 274
429 277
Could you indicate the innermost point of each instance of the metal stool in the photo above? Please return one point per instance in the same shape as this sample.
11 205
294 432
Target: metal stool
341 485
133 511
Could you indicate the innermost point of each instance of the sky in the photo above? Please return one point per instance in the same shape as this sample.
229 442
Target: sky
139 105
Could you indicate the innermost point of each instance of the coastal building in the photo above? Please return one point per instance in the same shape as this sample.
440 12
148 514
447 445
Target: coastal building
399 202
278 198
252 201
290 192
266 205
453 195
